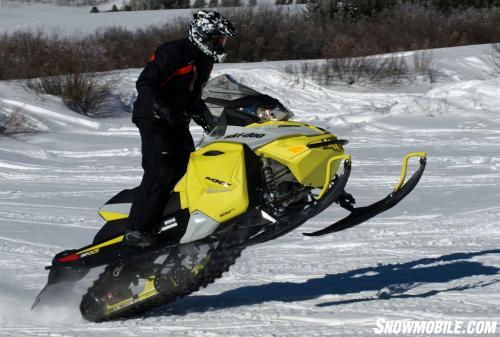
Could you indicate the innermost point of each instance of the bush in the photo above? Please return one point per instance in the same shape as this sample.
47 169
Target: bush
267 33
14 122
448 6
423 67
272 34
230 3
36 54
361 70
5 57
140 5
83 93
350 10
199 4
355 9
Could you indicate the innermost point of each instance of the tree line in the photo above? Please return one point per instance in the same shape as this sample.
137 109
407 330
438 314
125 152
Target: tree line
266 33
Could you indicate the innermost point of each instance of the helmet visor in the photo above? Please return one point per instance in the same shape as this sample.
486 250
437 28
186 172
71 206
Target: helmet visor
219 41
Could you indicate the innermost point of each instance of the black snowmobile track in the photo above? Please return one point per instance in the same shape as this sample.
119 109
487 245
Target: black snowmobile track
220 261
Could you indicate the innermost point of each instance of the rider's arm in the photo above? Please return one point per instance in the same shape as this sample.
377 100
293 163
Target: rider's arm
202 116
160 65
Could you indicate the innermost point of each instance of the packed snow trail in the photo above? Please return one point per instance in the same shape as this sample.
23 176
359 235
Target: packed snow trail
434 256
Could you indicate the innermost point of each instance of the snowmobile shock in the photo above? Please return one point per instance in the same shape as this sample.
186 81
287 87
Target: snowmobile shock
269 179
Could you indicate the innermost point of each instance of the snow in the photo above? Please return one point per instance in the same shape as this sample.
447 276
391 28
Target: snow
434 256
79 20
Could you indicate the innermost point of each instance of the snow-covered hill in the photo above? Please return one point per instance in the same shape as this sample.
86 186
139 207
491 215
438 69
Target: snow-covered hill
65 20
434 256
79 20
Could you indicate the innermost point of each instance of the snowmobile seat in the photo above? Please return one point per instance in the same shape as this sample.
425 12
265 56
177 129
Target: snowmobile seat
117 227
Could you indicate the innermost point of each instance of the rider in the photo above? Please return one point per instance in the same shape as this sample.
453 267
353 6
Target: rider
169 95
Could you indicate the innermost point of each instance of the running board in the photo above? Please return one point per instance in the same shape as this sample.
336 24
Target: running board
362 214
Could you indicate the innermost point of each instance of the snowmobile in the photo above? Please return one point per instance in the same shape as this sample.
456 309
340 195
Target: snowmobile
255 178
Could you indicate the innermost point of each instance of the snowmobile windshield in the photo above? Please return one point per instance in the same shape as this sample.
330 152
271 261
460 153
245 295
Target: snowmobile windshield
220 129
242 105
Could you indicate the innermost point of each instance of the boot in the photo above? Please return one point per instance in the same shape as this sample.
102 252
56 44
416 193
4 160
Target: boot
139 239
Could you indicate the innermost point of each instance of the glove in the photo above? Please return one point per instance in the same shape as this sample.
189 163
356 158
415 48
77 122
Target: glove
170 115
204 118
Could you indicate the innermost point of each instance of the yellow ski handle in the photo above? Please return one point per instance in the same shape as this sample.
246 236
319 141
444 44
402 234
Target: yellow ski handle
328 174
405 167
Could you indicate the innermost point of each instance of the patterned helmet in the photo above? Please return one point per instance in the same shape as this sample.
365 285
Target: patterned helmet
208 31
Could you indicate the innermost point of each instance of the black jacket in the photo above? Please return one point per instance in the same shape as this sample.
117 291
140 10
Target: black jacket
174 77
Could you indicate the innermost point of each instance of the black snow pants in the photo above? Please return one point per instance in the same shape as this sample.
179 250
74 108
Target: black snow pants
165 155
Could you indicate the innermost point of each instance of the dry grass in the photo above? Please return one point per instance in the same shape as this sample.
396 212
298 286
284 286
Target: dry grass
82 92
423 65
15 122
12 123
353 70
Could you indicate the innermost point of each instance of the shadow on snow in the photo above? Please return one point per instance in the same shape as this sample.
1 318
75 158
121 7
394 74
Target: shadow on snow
391 281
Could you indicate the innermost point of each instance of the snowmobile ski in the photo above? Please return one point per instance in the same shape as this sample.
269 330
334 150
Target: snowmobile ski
359 215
